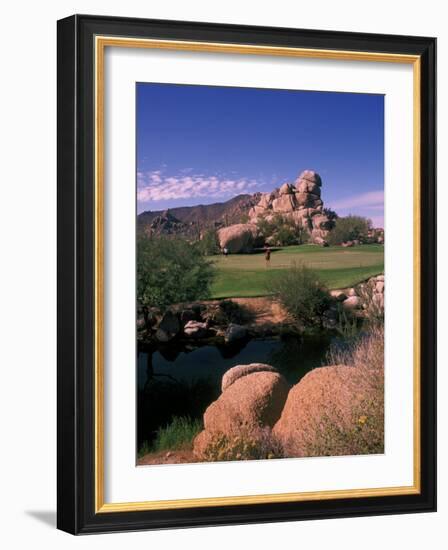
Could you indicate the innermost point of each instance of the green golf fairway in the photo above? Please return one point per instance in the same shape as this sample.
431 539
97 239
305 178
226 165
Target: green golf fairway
244 275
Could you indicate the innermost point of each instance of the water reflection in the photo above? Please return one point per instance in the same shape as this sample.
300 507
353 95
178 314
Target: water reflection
175 381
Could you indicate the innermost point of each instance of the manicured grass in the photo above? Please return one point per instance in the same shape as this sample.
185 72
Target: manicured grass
245 275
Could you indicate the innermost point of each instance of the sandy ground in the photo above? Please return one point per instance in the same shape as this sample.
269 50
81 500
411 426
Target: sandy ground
167 457
266 310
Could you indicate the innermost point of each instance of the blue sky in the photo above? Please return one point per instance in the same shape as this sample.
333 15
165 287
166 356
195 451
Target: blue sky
204 144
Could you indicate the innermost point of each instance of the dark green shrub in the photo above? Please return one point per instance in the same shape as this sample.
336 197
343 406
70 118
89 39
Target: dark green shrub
171 271
282 231
349 228
235 313
209 244
302 294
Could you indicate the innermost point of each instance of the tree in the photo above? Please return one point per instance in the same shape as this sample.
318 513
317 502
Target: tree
331 214
349 228
171 271
209 243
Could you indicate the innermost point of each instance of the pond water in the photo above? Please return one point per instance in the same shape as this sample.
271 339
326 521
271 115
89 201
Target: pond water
181 381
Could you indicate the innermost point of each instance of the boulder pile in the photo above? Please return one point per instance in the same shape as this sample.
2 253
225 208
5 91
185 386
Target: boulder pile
299 201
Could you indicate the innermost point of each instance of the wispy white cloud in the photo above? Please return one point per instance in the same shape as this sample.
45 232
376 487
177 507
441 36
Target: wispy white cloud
156 186
372 200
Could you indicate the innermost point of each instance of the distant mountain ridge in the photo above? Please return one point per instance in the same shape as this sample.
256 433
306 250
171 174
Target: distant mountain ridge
204 215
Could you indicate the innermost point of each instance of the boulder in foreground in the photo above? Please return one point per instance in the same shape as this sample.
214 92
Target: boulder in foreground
243 370
326 412
249 404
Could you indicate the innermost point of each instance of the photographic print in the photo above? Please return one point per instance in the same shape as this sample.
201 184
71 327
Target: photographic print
260 273
246 246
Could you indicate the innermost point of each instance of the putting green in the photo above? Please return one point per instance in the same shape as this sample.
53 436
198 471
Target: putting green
241 275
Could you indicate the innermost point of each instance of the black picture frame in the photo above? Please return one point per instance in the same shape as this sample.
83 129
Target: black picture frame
76 286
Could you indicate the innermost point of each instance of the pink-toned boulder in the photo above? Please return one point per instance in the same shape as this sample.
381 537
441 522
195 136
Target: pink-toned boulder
233 374
324 393
306 186
352 302
284 203
338 295
285 189
311 176
379 286
264 201
307 200
252 401
238 238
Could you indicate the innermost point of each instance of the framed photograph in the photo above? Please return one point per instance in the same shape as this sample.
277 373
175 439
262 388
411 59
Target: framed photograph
246 274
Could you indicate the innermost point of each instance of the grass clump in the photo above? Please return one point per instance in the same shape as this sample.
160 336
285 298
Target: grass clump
301 292
178 435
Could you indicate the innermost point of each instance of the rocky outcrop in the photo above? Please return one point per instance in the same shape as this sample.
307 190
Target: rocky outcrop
169 327
235 333
251 401
352 302
166 224
238 238
367 296
196 329
301 202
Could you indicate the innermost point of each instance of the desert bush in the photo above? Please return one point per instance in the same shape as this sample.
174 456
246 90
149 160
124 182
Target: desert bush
282 231
301 292
226 312
244 443
179 434
170 271
349 228
235 313
347 323
362 430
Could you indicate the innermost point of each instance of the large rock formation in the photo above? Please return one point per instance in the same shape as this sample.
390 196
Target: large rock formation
238 238
301 202
326 394
250 401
